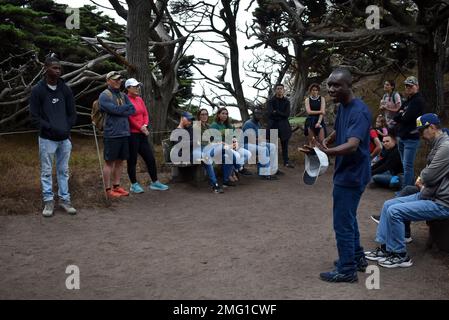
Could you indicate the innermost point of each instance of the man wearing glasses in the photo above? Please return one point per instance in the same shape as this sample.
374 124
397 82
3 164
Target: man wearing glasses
117 108
408 143
432 202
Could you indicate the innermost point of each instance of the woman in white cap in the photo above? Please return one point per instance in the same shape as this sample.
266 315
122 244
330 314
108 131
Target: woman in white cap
138 140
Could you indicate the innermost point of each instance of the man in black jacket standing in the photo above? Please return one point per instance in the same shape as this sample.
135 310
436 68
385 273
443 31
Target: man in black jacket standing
408 134
53 112
278 113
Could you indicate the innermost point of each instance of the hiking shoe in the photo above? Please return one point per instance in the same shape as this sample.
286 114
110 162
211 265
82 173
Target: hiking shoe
228 184
269 178
375 218
158 186
67 206
289 165
376 255
334 276
49 206
396 260
217 189
120 191
279 173
113 194
136 188
245 172
408 239
361 264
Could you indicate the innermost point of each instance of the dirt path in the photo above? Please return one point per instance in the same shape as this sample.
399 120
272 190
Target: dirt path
260 240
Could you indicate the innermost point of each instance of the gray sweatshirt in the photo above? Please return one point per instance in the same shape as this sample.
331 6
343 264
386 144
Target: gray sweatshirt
435 176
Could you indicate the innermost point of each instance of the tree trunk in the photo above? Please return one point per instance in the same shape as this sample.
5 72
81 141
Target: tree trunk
300 80
138 22
431 72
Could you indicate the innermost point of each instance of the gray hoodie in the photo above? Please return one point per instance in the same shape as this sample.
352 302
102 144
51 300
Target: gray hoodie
435 176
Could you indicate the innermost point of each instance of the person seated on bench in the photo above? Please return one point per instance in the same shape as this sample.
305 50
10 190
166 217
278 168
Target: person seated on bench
430 203
385 172
214 152
222 123
195 150
266 153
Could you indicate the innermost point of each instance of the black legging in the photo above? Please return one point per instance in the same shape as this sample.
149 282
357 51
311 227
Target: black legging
138 144
284 146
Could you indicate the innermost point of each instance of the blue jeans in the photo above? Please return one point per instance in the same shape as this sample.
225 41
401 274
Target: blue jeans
267 157
346 201
384 179
395 212
48 150
408 150
208 153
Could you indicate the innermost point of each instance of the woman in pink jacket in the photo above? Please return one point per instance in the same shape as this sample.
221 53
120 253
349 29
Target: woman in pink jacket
138 140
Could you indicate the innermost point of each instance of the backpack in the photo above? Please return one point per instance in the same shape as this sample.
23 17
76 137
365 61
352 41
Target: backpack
97 116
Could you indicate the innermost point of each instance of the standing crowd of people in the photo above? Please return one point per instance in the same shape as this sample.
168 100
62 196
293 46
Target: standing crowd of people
360 158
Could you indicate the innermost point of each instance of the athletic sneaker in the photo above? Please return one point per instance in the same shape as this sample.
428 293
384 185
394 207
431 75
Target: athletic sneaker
136 188
269 177
245 172
67 206
158 186
49 206
217 189
228 184
361 264
375 218
334 276
112 194
408 239
120 191
376 255
396 260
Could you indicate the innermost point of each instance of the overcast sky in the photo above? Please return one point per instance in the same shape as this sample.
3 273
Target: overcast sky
200 51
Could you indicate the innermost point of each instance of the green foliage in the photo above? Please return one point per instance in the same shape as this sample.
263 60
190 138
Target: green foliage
40 25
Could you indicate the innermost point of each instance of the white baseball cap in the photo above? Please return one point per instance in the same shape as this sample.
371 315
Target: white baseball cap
315 165
131 82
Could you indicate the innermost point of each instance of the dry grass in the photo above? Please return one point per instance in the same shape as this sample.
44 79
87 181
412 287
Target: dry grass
20 174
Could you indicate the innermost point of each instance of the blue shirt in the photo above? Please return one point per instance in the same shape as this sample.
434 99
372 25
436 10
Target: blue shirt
353 121
251 124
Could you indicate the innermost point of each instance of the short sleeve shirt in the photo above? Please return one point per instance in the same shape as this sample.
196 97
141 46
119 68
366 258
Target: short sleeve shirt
353 121
372 134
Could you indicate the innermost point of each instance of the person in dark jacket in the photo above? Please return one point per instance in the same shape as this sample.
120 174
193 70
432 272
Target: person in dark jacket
278 112
406 131
52 110
117 108
385 172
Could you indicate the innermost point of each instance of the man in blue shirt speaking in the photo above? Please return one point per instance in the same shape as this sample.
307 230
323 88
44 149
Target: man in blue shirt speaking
351 175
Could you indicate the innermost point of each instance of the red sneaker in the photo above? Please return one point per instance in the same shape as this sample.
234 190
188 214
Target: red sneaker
112 194
121 191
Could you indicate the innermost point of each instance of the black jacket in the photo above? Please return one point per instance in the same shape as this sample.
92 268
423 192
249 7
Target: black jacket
278 112
413 108
390 162
52 111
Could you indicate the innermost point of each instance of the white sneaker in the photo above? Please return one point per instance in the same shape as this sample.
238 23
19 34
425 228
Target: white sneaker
67 206
49 206
408 240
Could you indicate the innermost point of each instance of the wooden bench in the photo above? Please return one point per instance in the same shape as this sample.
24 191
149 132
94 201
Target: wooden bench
439 234
183 172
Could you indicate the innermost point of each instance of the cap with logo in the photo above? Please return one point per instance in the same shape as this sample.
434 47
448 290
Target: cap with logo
187 115
131 82
426 120
114 75
411 81
316 164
